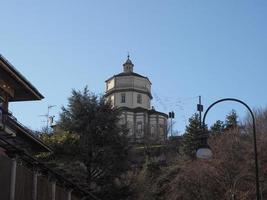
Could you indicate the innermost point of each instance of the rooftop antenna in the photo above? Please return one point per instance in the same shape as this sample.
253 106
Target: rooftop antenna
48 117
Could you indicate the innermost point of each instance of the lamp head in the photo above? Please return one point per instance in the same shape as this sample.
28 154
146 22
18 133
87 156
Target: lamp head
204 153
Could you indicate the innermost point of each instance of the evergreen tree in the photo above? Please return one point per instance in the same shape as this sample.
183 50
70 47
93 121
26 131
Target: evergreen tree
217 127
190 141
102 142
231 120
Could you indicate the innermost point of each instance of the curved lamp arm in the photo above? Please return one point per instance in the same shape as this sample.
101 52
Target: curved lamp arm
254 136
229 99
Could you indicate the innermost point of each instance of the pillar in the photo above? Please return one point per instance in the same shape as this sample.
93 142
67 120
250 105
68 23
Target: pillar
53 190
69 194
34 184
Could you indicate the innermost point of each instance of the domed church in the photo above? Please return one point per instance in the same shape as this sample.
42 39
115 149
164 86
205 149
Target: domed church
131 93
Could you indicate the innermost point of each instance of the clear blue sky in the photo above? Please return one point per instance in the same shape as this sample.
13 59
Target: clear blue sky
187 48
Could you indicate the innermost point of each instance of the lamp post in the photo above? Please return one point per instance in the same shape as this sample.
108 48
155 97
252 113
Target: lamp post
205 152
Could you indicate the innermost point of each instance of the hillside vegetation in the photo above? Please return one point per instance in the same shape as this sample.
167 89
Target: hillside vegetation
92 151
230 174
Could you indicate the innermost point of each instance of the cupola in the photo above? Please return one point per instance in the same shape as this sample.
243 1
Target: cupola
128 65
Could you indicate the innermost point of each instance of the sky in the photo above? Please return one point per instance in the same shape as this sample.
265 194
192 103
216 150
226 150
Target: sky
187 48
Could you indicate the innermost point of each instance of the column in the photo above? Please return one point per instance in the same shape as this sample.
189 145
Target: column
69 194
53 190
34 184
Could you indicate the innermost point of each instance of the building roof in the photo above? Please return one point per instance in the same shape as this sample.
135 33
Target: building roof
23 89
128 61
29 137
128 74
20 136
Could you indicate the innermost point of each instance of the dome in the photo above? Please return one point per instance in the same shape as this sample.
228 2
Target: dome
128 62
128 65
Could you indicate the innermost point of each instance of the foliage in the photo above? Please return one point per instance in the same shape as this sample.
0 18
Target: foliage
218 127
226 175
64 143
102 145
230 174
231 120
65 158
190 140
89 146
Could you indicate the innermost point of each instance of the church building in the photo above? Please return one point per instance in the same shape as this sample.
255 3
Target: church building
131 93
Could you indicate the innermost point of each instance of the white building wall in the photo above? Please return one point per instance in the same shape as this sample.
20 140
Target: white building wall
110 84
142 83
112 99
145 101
131 100
124 82
128 99
129 82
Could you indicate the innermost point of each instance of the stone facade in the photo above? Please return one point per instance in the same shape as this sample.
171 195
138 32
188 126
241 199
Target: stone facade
131 93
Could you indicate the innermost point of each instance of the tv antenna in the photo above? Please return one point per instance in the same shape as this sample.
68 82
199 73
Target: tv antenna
49 119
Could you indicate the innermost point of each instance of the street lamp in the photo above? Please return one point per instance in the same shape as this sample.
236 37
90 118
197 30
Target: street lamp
205 152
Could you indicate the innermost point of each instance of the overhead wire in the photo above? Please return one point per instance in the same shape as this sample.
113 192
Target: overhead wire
178 104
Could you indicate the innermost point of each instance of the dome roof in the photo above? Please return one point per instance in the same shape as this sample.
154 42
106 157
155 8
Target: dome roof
128 65
128 62
128 70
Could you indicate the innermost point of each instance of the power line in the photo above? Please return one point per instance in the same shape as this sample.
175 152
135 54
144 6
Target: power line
178 104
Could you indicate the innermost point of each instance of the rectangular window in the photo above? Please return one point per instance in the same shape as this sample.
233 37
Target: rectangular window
139 98
123 98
